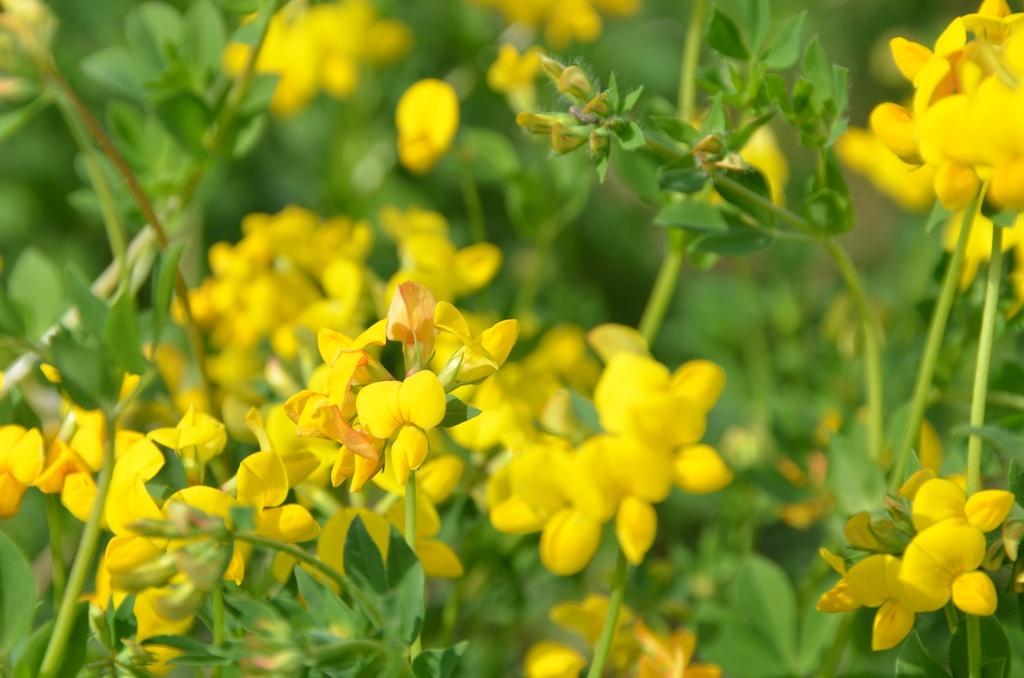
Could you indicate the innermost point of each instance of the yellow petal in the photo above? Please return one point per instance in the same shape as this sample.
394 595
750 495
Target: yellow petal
636 525
894 126
627 379
516 516
1007 187
262 480
330 547
952 39
914 482
569 541
838 599
987 510
910 57
893 623
427 118
126 552
937 500
956 185
475 266
209 500
438 559
701 381
438 478
21 453
700 470
859 535
974 593
379 410
288 524
422 400
867 580
408 452
639 469
837 563
610 339
934 558
77 495
551 660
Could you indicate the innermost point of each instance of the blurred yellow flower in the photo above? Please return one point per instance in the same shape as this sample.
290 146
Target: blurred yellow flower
427 118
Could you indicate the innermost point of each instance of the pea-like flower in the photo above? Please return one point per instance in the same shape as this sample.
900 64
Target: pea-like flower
427 118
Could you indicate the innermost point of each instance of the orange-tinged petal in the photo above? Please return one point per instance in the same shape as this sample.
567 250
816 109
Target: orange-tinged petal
987 510
438 559
288 524
893 623
411 318
699 469
938 500
974 593
636 525
838 599
569 541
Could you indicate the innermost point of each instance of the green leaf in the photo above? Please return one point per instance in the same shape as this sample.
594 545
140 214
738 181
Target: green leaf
939 215
163 288
768 604
204 36
1004 218
121 334
915 662
36 285
248 135
1015 479
92 311
828 212
778 94
86 373
749 180
405 582
438 663
682 176
856 485
629 134
784 48
840 77
739 240
690 215
818 70
601 165
716 121
679 130
613 92
73 658
457 412
1001 439
724 36
630 101
995 649
117 70
363 562
240 6
757 18
152 29
17 594
186 118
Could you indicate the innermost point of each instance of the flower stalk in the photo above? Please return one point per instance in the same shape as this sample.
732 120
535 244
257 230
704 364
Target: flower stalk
611 621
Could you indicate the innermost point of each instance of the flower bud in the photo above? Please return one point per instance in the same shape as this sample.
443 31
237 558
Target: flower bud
204 563
99 626
574 83
148 575
134 654
539 123
181 603
552 68
599 142
565 139
600 105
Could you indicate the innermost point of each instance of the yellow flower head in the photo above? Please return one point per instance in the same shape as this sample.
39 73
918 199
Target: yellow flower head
21 460
197 439
427 118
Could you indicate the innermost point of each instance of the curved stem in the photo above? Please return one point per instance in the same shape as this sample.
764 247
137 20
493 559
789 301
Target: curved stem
56 552
691 55
611 620
872 350
664 286
83 562
988 326
410 539
103 140
933 343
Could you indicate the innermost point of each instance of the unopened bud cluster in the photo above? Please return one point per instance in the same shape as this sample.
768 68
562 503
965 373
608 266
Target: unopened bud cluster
589 117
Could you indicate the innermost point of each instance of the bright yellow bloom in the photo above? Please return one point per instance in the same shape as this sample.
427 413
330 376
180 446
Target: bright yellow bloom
21 460
911 186
563 21
514 74
427 118
762 152
671 656
479 357
197 439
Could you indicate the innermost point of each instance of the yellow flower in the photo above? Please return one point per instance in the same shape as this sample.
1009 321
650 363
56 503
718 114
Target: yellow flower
427 118
762 151
911 186
547 659
21 459
513 74
671 656
405 410
197 439
477 358
979 242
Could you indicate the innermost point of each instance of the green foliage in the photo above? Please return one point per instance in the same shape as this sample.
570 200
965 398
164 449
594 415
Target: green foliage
996 655
17 589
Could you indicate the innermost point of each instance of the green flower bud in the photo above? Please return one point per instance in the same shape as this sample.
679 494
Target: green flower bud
600 105
565 139
552 68
576 84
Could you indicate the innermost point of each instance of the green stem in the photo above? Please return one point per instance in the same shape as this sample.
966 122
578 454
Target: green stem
664 286
410 539
87 548
611 620
691 56
56 551
974 644
474 206
872 350
951 620
781 213
981 370
835 653
933 343
218 623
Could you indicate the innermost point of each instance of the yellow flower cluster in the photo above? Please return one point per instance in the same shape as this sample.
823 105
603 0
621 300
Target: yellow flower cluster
647 438
635 648
965 117
314 47
563 21
940 563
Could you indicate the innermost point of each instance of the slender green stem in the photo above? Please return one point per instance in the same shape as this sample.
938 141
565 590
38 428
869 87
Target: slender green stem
872 350
933 343
780 213
835 653
338 578
56 551
664 286
974 645
691 56
611 620
218 623
410 539
981 370
951 620
103 140
83 562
